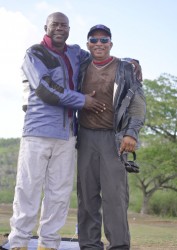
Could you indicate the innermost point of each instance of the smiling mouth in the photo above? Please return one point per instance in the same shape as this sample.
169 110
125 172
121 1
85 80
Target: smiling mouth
98 49
58 36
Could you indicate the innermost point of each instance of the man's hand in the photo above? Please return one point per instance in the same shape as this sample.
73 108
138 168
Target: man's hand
92 104
137 70
128 144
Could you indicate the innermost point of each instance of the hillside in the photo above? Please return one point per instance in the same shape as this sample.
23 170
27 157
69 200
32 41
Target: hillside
8 166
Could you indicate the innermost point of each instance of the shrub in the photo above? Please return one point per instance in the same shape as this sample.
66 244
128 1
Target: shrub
6 196
164 203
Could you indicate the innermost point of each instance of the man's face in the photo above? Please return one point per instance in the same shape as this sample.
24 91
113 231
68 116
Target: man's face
100 50
57 28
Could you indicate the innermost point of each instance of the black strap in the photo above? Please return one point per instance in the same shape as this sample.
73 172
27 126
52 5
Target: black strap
131 166
126 101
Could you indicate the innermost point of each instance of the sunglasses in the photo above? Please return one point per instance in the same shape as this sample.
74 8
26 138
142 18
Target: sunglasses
101 39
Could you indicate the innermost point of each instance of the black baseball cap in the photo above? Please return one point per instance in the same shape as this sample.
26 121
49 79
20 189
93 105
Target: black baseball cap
99 27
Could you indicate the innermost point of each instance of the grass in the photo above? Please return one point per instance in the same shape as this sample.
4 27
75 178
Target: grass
147 232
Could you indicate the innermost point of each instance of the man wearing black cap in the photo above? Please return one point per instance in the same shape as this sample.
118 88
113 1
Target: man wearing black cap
102 178
99 27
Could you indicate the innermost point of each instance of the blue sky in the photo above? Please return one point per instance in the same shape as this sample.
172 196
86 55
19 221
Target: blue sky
141 29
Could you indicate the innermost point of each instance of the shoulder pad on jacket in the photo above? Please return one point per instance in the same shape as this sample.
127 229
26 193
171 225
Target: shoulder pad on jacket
45 56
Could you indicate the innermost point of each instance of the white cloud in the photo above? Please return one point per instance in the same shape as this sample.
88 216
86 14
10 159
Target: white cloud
42 6
17 33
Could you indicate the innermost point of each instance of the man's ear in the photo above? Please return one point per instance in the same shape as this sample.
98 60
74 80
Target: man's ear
45 28
87 44
111 44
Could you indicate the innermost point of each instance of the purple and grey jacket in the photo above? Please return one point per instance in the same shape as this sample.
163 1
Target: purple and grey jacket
47 94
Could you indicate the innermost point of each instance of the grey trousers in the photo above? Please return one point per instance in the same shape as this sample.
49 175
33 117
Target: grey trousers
102 186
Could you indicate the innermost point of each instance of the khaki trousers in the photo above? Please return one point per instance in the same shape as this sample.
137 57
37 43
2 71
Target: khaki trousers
44 164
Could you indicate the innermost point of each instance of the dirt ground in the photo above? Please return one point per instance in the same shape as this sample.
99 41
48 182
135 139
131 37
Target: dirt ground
3 238
147 232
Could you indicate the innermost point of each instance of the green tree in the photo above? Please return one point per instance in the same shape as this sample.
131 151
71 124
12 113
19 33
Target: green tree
157 157
161 96
158 167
